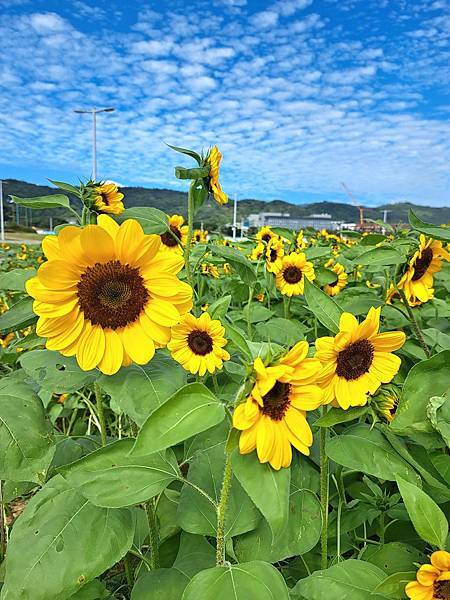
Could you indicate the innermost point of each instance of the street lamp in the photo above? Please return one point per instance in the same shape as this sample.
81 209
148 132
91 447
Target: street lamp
94 112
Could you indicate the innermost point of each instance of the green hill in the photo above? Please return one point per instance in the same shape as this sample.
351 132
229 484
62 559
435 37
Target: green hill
212 215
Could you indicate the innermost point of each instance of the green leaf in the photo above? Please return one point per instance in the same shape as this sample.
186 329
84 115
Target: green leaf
235 336
15 279
190 153
394 585
438 233
60 542
110 477
198 173
281 331
196 514
438 411
94 590
220 307
139 390
152 220
66 187
238 261
55 372
318 252
19 316
393 556
348 580
26 442
337 415
324 276
382 257
323 307
366 449
238 582
286 233
372 239
254 477
428 519
52 201
426 379
190 410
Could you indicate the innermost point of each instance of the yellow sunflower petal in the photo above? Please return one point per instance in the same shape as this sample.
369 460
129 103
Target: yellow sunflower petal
108 224
441 560
298 425
348 322
97 244
241 420
388 341
385 366
265 439
113 356
247 440
415 591
139 347
427 575
91 347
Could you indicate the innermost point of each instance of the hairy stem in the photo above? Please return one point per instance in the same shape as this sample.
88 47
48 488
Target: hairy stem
414 324
100 412
153 534
324 487
187 248
221 512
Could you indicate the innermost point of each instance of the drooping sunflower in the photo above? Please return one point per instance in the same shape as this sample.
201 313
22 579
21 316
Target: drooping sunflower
214 157
273 417
417 281
107 294
358 359
178 231
265 234
432 580
198 344
333 289
199 236
290 279
274 253
108 199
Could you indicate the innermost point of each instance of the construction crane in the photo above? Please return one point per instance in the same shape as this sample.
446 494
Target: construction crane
355 203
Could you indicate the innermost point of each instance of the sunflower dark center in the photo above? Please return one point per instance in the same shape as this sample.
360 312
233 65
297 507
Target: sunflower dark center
333 283
441 590
266 237
200 342
422 263
111 294
273 255
105 198
292 275
355 360
168 238
276 401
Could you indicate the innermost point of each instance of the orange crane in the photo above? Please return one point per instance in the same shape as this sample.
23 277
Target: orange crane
355 203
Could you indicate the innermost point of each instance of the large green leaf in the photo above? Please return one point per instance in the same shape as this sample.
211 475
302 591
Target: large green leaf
323 307
254 477
190 410
152 220
15 279
281 331
112 478
438 412
366 449
139 390
381 257
394 585
238 261
426 379
60 542
51 201
438 233
55 372
196 514
94 590
256 580
428 519
393 556
348 580
19 316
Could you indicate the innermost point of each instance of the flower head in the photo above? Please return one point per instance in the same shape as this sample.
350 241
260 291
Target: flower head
333 289
358 359
214 159
198 344
265 234
386 401
274 253
107 294
432 580
199 236
257 251
273 417
178 231
108 199
290 279
300 241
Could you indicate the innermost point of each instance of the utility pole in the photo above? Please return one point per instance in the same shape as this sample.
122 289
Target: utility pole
2 216
94 111
385 214
235 217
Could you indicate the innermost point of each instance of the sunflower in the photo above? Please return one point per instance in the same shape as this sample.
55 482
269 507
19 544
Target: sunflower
432 580
214 157
107 294
417 282
358 359
257 251
386 401
300 241
227 269
391 293
274 253
199 236
371 285
178 231
290 279
274 415
209 269
333 289
198 344
108 199
265 234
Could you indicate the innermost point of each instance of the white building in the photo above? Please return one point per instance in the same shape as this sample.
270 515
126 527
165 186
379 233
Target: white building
316 221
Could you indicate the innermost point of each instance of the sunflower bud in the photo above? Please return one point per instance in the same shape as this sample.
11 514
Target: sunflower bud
386 401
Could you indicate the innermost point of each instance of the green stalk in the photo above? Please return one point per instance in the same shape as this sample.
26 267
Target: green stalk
100 412
249 304
221 512
414 324
187 248
153 534
324 488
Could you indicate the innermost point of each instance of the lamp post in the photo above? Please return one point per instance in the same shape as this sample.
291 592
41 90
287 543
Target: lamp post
94 112
2 216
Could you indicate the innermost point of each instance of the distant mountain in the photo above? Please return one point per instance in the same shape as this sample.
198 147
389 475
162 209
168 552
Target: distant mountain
214 216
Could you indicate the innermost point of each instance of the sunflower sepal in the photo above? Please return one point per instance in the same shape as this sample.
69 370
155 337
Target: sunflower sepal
187 152
196 173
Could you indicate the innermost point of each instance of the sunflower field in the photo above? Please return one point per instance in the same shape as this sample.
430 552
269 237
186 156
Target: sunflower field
183 417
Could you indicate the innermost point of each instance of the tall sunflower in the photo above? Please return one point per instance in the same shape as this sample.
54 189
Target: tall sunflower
274 254
432 580
198 344
214 157
333 289
107 294
290 279
108 199
417 281
358 359
273 418
178 231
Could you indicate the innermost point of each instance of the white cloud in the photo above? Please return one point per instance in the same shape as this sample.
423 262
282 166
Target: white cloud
47 22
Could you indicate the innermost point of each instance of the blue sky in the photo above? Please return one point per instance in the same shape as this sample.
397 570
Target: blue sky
298 94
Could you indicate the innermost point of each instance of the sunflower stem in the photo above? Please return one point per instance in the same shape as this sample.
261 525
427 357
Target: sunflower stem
100 412
414 324
187 248
249 304
324 487
153 534
221 512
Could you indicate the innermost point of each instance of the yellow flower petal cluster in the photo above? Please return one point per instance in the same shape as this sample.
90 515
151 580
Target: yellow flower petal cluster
199 236
274 253
432 580
265 234
290 279
214 159
333 289
178 231
108 199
